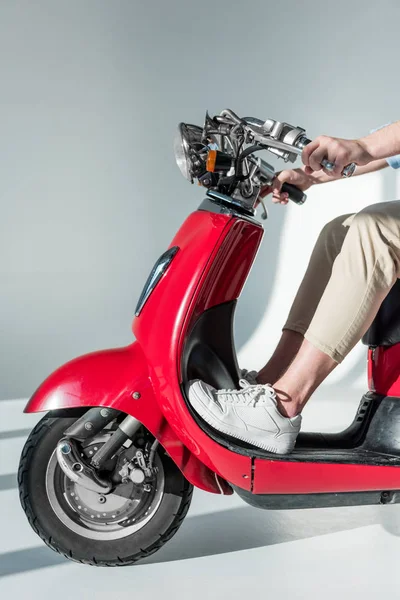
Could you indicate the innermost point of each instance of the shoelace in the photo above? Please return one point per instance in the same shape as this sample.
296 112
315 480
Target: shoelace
248 394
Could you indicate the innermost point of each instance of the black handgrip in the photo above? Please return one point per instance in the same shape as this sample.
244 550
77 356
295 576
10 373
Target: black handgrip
295 194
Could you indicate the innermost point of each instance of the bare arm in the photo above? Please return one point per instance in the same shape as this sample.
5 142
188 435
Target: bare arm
303 180
384 142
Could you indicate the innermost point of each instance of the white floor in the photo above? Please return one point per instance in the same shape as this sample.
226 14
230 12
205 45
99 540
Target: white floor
225 549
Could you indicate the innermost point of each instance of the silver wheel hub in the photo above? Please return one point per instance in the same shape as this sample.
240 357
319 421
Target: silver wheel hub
103 516
94 508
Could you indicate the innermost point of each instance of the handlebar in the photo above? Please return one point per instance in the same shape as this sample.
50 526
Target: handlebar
296 195
327 164
298 144
347 171
282 139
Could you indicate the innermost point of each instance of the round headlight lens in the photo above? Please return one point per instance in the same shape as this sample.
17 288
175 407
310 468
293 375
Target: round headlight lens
181 152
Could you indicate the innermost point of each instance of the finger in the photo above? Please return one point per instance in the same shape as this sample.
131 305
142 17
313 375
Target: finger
317 157
280 198
267 189
331 172
276 197
308 150
336 154
328 172
331 155
278 192
284 201
340 161
285 176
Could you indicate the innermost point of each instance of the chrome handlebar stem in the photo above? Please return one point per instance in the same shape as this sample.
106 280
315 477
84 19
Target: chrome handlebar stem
282 139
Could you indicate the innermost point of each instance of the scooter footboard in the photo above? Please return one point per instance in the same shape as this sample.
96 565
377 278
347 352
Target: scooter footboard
118 378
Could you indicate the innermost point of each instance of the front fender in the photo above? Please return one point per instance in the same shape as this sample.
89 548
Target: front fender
105 378
119 378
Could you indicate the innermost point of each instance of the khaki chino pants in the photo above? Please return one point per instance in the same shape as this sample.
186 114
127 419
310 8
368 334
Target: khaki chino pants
353 266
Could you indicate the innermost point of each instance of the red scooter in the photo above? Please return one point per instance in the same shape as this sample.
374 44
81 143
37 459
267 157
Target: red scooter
106 477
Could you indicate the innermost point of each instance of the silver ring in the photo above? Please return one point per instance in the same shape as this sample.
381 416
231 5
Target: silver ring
349 170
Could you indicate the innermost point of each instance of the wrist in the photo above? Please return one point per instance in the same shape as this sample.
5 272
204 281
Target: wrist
368 148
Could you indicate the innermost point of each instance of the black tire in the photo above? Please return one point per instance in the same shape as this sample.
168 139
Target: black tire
32 473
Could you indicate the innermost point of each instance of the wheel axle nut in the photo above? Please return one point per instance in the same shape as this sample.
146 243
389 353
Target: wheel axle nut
65 448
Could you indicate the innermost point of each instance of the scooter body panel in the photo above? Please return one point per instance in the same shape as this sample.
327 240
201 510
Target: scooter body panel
281 477
213 261
384 370
105 378
215 254
109 378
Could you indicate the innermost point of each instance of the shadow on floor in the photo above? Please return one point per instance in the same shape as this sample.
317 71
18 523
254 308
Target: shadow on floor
246 528
232 530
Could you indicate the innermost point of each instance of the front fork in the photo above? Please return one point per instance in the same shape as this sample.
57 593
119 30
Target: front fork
85 472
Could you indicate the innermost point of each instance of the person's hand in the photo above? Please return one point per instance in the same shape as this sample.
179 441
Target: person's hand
296 177
338 151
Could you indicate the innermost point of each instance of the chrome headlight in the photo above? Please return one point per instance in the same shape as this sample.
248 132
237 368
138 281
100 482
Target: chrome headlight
187 143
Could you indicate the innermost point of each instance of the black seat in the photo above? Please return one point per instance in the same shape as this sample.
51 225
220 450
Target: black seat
385 329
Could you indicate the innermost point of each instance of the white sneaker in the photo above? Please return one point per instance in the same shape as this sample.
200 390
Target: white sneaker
249 414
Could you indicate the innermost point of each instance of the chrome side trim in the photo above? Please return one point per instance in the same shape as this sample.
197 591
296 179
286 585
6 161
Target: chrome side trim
230 202
214 206
156 273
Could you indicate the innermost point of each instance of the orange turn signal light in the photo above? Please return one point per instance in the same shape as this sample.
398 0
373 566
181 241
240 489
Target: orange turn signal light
211 160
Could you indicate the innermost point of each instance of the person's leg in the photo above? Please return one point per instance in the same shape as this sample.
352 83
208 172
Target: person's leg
283 355
307 371
363 273
316 277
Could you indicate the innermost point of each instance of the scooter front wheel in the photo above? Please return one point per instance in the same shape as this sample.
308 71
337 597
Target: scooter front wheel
114 529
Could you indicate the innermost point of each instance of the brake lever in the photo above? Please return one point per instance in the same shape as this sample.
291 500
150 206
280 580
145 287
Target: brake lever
264 214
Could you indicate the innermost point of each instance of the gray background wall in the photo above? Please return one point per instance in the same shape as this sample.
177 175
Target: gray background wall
90 95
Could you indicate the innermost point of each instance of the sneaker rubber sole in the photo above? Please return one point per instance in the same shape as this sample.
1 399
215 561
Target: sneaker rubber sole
253 440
